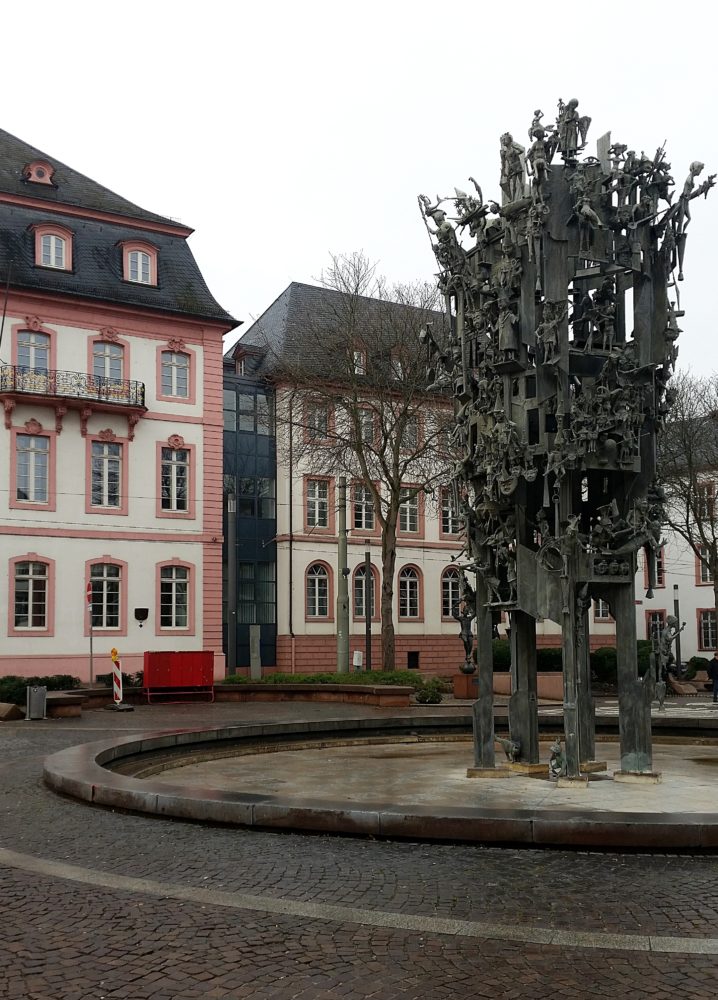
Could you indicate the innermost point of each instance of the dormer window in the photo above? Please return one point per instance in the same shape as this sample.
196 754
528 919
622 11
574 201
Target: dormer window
53 247
139 263
39 172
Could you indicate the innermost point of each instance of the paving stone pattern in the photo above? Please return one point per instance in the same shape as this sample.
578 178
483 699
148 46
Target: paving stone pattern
64 940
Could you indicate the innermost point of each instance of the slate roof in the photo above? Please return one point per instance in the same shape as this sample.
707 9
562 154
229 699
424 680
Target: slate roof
71 187
96 251
281 331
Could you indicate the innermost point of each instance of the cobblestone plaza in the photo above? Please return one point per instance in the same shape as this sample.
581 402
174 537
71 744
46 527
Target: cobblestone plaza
99 904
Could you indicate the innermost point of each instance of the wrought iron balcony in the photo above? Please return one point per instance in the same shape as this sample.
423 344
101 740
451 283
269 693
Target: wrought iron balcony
40 382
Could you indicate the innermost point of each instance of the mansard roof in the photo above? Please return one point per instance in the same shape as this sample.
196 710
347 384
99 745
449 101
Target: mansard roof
100 222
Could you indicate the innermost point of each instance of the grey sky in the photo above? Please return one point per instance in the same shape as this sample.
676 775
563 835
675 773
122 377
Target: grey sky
282 131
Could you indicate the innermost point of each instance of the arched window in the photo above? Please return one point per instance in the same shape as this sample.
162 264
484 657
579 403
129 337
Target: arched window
317 591
449 591
53 246
359 593
409 593
138 266
139 263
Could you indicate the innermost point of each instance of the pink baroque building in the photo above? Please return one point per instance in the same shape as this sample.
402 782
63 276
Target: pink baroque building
111 392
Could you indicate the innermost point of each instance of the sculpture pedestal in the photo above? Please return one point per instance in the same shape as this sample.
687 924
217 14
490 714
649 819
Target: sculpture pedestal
593 766
529 770
501 771
465 686
638 777
565 782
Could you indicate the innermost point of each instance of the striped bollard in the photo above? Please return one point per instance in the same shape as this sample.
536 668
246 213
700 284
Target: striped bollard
116 677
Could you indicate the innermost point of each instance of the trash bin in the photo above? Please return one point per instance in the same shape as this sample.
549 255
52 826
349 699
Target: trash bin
36 703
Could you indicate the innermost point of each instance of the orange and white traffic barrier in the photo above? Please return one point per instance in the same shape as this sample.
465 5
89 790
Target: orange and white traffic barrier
116 677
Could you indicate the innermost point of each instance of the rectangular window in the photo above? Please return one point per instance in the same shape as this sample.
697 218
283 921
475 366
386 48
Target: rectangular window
175 374
32 468
410 437
601 611
704 571
174 597
359 363
175 479
33 351
661 567
397 368
366 425
264 414
450 521
363 507
265 498
229 398
106 474
53 251
318 503
317 422
655 623
256 593
409 512
30 595
707 629
107 361
105 584
139 266
706 501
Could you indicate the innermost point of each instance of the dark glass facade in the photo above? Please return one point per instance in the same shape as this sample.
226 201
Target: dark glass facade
250 466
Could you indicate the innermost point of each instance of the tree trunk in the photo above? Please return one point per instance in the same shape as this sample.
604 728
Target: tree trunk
388 564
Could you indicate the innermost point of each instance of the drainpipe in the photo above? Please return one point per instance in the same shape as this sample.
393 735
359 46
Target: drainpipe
342 583
291 533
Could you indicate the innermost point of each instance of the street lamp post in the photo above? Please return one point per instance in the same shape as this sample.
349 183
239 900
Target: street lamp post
677 613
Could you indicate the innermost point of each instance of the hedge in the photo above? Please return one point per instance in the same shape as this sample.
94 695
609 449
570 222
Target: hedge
12 688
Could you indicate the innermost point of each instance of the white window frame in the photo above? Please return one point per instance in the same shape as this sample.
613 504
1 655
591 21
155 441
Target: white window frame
37 577
367 425
655 623
359 362
409 596
36 346
139 267
450 591
409 512
317 598
601 611
451 522
174 597
363 518
53 251
106 474
175 480
359 577
175 374
317 422
317 503
703 570
105 583
108 361
32 464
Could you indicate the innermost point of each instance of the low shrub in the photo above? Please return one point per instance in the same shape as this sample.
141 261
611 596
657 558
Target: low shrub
403 678
431 693
128 680
12 688
502 655
549 659
603 665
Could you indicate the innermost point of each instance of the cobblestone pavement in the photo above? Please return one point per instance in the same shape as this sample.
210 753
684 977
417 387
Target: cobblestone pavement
98 904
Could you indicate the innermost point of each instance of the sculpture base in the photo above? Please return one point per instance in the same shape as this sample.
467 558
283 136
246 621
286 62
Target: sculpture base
501 771
593 766
581 781
465 686
638 777
530 770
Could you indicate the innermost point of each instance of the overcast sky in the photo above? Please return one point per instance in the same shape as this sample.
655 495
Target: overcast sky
283 131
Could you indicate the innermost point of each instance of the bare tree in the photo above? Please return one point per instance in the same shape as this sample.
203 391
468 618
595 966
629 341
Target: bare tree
688 464
352 392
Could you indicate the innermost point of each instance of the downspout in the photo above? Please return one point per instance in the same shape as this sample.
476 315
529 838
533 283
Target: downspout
291 533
